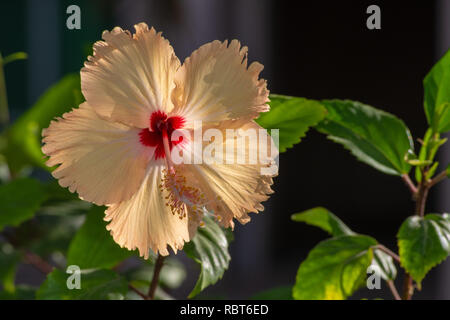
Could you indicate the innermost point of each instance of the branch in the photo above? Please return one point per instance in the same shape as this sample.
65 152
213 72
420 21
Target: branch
438 178
38 262
139 293
408 287
421 199
388 251
30 257
158 266
393 290
412 187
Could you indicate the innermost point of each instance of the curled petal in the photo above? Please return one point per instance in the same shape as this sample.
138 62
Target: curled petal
103 161
214 84
232 189
129 77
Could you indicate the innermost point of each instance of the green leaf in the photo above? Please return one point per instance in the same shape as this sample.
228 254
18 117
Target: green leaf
209 248
413 160
93 246
385 264
95 285
327 221
8 264
431 171
278 293
50 235
324 219
19 201
334 269
14 57
423 243
292 116
23 138
437 95
373 136
21 292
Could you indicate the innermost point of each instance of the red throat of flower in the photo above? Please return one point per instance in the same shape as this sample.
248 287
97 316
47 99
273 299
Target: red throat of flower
180 197
161 128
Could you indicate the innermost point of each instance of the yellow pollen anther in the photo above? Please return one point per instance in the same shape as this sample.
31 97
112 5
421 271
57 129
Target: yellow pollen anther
180 196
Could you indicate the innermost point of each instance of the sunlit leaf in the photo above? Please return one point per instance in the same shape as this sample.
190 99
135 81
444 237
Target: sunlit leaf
292 116
330 223
437 95
324 219
375 137
423 243
334 269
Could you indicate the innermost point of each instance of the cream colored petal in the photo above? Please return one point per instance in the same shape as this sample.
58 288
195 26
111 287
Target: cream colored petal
103 161
214 84
129 77
233 190
145 222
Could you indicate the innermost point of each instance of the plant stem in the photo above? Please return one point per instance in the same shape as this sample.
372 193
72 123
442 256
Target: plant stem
393 290
388 251
4 110
38 262
408 287
154 284
138 292
412 187
438 178
421 199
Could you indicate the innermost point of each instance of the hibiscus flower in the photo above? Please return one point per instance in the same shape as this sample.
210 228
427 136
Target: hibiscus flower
114 149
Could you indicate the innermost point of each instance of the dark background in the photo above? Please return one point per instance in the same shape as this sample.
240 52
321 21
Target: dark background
314 49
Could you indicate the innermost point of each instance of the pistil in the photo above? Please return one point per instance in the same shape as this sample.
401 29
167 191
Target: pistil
181 198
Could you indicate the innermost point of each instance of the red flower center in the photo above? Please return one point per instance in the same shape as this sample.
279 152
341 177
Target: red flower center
161 126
